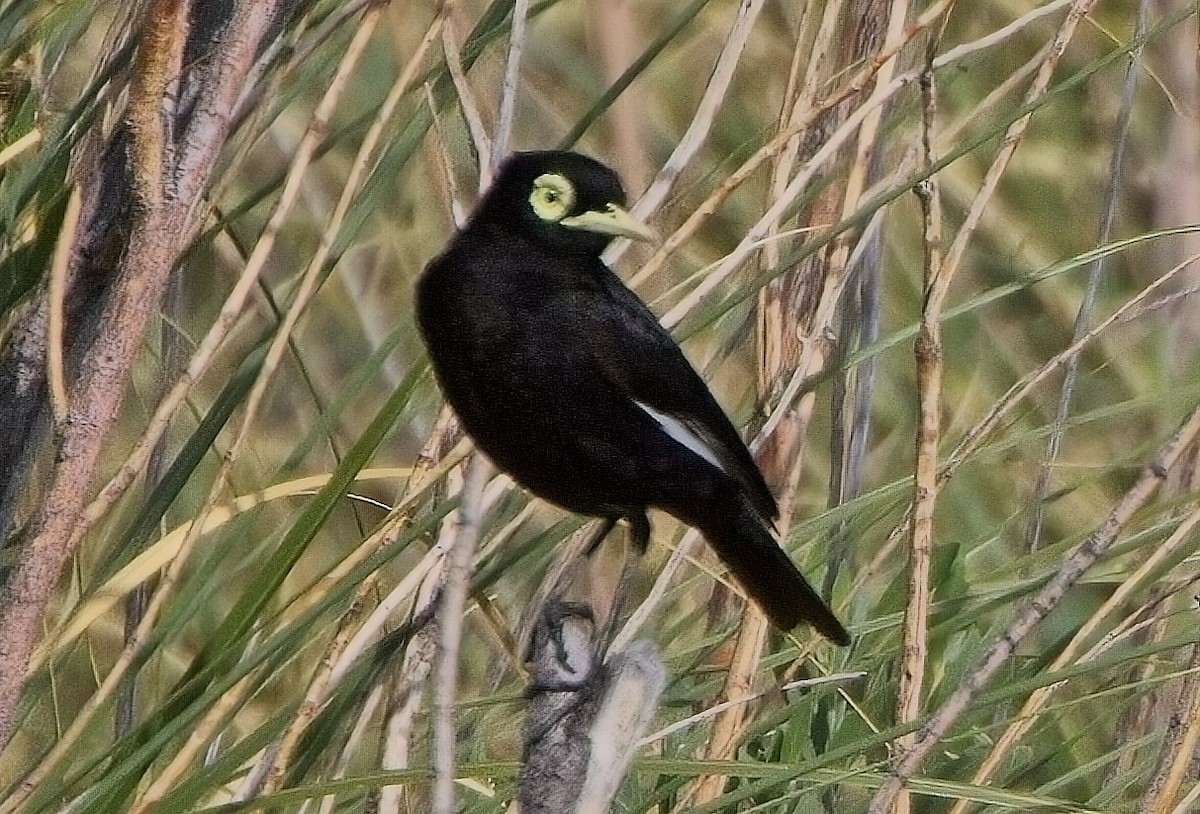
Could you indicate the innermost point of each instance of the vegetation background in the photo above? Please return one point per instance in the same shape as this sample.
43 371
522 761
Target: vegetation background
934 257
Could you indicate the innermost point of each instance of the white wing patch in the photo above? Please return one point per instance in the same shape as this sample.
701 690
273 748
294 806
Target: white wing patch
679 432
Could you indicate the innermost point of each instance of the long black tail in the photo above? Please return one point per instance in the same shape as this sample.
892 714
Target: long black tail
764 569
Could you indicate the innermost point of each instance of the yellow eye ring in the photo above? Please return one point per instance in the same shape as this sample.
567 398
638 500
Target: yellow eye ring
552 198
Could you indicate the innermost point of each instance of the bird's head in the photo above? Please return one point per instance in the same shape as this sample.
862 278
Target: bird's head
562 199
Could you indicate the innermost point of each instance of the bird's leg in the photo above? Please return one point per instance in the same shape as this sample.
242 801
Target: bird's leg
598 537
639 531
639 540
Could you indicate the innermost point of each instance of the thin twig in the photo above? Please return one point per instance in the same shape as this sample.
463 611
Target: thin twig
974 438
753 238
1001 35
508 93
362 163
1180 742
795 122
683 552
470 109
318 125
752 634
702 120
930 361
1072 568
404 701
1028 716
59 268
1014 134
161 226
206 351
319 688
1033 531
731 721
450 615
354 741
709 712
150 253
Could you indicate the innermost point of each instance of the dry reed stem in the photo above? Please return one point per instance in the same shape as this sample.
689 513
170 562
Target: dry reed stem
459 563
59 268
85 422
794 121
150 253
952 135
1072 568
387 533
354 741
326 679
315 133
823 322
470 109
404 701
683 552
776 323
865 119
181 762
452 605
731 722
1014 134
705 114
825 316
751 639
974 438
868 135
161 226
977 435
755 237
508 92
1028 715
213 340
827 152
930 363
317 694
802 104
1180 743
322 682
419 653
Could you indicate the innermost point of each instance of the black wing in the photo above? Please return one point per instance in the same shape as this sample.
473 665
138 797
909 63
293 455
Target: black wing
638 356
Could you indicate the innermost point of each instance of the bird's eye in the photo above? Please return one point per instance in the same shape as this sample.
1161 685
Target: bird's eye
552 197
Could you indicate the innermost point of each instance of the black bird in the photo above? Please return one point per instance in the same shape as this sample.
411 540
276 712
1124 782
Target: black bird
566 380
